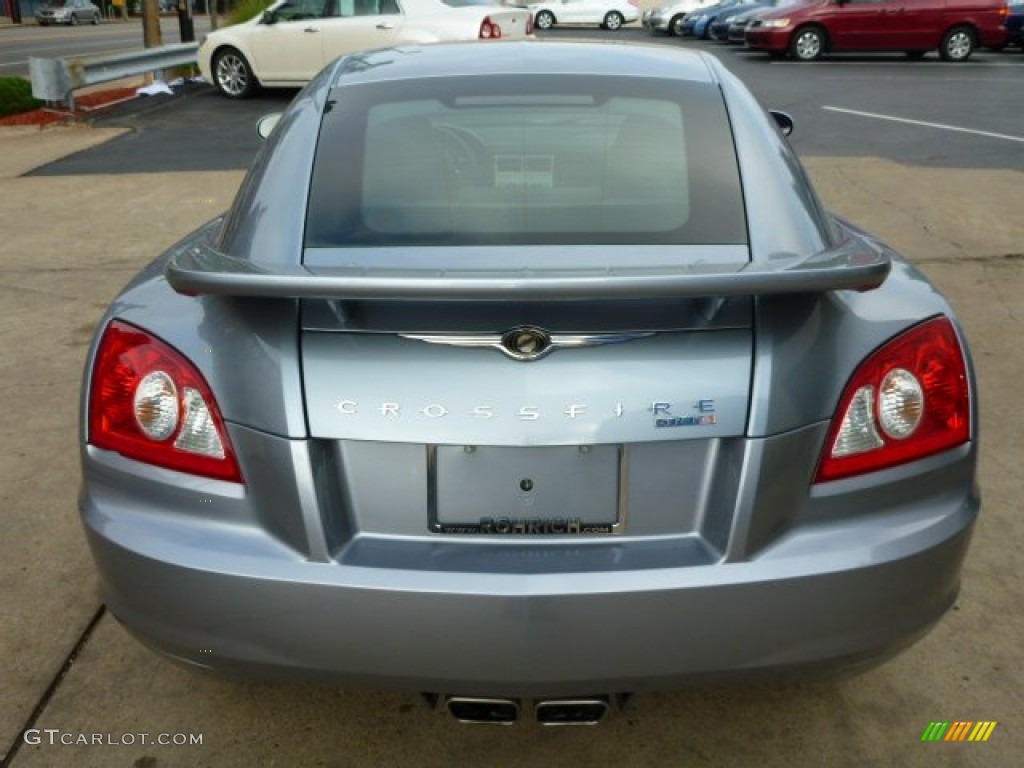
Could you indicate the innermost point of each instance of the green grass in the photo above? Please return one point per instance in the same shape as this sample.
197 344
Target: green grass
247 9
16 96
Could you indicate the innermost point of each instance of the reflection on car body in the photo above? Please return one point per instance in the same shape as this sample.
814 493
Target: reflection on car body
528 371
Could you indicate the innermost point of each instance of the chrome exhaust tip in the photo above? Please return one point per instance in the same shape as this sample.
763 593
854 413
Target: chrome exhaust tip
467 709
581 711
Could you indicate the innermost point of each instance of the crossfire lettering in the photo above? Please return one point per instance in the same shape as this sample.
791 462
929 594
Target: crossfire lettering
702 412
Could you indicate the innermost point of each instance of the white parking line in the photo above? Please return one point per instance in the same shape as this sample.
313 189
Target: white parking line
926 124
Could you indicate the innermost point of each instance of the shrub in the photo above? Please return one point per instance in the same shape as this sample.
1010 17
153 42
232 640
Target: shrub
16 96
247 9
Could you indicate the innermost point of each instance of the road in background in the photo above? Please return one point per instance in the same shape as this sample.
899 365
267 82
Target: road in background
18 43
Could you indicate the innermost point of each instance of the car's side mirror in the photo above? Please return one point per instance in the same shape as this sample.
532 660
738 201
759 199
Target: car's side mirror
784 121
269 17
265 125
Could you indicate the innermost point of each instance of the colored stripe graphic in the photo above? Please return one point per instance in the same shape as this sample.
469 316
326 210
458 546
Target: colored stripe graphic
958 731
982 730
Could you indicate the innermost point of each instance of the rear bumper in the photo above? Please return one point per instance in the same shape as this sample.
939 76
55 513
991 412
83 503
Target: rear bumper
405 631
544 619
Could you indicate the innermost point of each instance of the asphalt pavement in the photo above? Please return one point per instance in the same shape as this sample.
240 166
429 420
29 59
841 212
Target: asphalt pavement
925 113
77 690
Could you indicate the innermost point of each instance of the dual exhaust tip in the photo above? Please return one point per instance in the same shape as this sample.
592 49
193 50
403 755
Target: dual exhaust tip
583 710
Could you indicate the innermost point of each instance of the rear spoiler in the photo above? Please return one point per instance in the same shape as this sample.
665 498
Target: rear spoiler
855 265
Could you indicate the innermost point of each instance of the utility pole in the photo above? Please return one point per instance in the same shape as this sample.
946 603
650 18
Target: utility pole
186 27
151 35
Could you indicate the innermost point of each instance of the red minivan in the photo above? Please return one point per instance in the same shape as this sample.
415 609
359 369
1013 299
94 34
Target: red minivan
806 29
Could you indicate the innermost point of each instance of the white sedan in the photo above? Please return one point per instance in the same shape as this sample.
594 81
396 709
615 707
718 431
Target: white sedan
294 39
608 14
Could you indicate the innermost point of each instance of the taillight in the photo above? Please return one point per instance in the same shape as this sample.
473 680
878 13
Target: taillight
489 30
908 400
529 23
149 403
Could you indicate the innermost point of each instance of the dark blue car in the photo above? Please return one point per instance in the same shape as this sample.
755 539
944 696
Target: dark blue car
697 21
1015 25
718 28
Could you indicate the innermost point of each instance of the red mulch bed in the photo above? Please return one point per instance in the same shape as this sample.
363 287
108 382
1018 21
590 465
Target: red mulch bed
85 105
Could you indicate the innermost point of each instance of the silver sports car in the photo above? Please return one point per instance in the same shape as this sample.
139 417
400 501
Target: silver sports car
533 372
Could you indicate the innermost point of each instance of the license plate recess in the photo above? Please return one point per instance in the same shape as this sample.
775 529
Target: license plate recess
526 491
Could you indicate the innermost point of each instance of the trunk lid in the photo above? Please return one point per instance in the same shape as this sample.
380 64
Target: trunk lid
527 373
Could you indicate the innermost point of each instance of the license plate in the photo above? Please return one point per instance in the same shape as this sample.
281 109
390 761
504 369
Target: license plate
534 491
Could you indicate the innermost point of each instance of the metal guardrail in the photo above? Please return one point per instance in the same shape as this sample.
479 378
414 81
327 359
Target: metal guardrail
54 80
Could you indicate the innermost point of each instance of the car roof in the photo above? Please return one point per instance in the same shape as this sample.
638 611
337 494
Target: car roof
523 58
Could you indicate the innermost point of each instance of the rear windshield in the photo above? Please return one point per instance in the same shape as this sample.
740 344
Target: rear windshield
513 160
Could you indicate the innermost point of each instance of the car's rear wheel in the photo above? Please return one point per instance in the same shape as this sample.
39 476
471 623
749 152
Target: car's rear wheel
74 20
544 20
675 26
807 44
957 44
95 18
233 75
613 20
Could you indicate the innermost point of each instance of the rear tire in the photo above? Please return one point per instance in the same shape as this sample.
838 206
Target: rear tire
74 20
807 44
232 74
613 21
95 19
544 20
957 44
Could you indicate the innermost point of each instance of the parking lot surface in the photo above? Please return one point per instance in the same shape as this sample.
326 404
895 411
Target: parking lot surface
101 202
